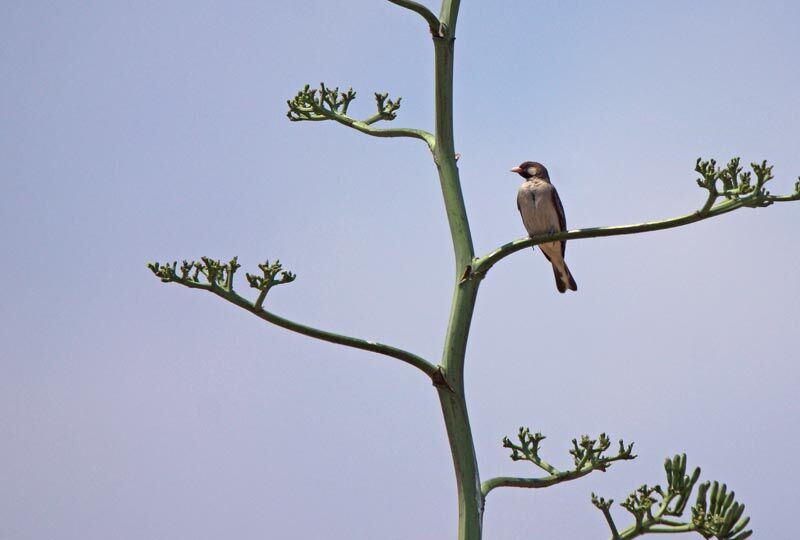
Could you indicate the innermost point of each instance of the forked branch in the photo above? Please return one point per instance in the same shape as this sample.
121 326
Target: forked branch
217 277
324 103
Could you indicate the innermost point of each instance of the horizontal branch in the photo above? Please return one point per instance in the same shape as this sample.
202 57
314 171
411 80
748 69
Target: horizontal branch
632 531
589 455
435 25
481 265
555 478
534 483
220 282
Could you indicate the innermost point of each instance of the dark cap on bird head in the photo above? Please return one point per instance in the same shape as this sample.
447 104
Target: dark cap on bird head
531 169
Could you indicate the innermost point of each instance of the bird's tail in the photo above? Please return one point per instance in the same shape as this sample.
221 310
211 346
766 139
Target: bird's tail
564 279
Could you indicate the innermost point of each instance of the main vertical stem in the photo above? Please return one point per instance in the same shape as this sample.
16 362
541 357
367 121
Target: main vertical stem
451 395
456 419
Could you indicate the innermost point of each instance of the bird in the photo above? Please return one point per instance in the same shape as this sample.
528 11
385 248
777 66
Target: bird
542 213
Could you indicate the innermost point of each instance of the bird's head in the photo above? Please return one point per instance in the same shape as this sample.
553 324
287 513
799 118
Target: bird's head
531 169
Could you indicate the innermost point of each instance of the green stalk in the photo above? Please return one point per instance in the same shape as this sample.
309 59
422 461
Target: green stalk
456 418
451 394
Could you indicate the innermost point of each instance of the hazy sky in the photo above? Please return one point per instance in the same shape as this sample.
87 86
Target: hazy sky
139 131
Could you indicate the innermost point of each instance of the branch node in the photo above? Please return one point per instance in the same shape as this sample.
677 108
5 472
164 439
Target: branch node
268 279
466 275
439 378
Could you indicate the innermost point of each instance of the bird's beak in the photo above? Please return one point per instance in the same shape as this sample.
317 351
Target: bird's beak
516 170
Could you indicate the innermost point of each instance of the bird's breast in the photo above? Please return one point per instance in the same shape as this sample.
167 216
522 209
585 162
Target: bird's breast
539 214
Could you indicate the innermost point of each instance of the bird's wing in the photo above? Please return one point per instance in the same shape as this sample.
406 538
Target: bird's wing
562 218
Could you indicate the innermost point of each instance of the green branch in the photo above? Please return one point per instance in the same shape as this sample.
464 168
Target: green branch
437 28
653 508
314 105
605 506
588 455
737 190
217 278
543 482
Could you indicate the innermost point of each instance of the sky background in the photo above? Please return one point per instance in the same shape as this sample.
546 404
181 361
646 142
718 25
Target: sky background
141 131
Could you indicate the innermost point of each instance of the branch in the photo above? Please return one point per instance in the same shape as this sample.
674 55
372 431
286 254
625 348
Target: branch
737 190
588 454
547 481
654 508
217 278
316 105
437 28
605 507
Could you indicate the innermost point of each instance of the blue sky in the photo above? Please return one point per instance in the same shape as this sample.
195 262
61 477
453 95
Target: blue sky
132 132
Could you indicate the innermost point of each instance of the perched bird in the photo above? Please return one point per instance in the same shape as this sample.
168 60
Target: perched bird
542 213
